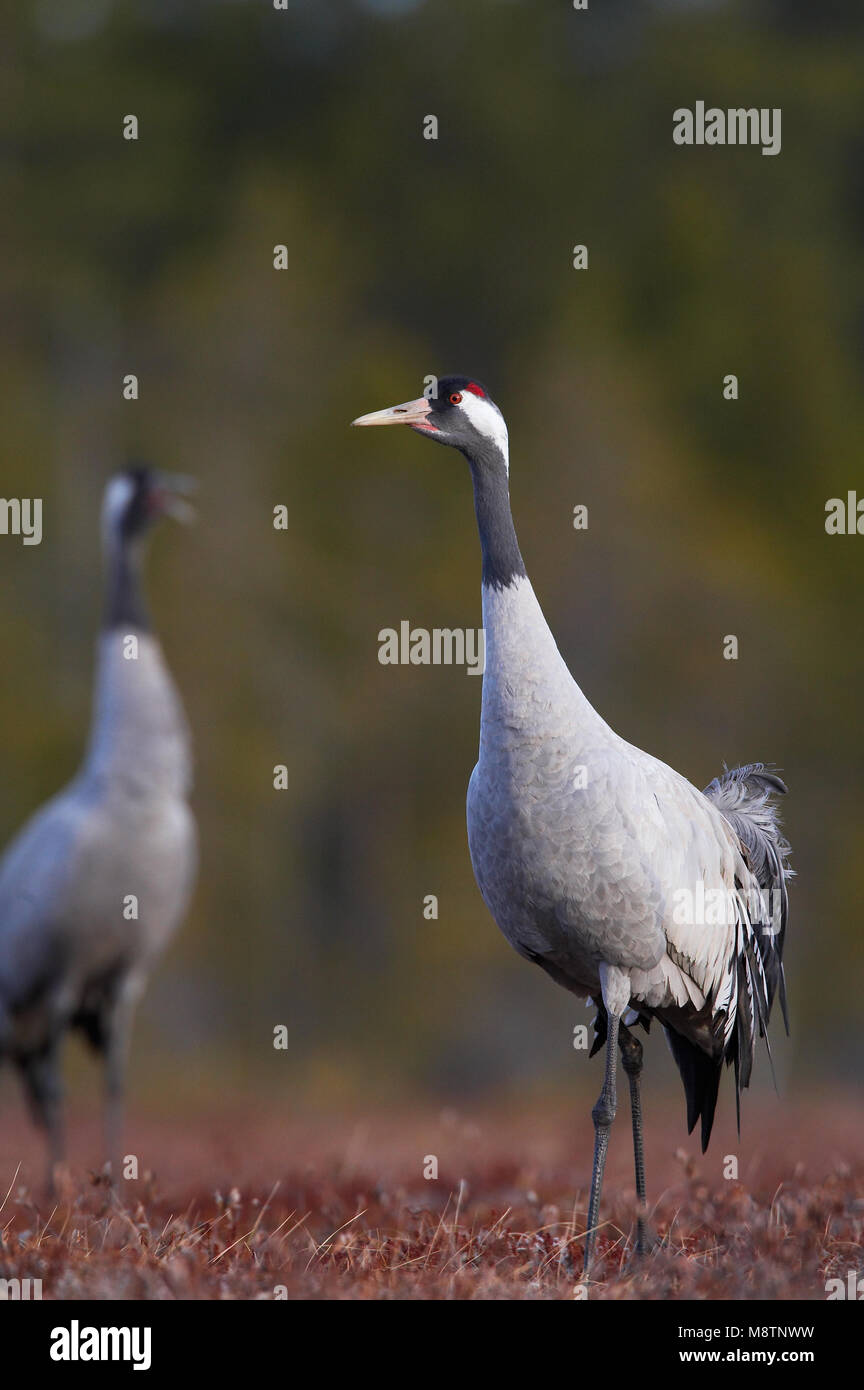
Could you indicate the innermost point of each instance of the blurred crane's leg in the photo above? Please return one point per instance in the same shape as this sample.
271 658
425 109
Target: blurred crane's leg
631 1056
118 1036
43 1084
603 1114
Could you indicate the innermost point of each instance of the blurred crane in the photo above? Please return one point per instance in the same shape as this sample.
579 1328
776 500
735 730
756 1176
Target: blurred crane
598 862
96 883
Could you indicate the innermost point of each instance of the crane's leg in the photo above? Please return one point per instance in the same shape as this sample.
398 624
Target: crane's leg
631 1056
118 1035
43 1085
603 1114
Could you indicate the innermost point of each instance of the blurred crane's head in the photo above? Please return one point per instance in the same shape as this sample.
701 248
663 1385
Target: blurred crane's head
460 413
137 497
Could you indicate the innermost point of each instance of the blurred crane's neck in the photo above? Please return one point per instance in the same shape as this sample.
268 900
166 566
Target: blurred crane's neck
124 594
139 741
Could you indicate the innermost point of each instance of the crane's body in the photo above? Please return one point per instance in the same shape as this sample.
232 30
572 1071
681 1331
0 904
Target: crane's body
585 848
96 883
580 841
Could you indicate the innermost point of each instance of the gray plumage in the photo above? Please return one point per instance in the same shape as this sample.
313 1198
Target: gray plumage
73 954
596 859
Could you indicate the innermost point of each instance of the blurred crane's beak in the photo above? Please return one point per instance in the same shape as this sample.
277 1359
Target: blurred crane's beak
169 496
409 413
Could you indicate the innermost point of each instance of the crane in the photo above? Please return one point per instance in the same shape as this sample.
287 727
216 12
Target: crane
95 884
598 862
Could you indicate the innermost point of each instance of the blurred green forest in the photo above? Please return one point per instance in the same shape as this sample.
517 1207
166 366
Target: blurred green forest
406 257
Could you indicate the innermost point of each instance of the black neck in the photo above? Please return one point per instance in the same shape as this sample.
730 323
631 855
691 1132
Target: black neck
502 562
125 605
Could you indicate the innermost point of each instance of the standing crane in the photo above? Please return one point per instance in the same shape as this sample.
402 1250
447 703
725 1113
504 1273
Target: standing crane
595 859
96 883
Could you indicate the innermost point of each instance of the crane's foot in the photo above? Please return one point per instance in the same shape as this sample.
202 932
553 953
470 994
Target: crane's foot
646 1241
59 1184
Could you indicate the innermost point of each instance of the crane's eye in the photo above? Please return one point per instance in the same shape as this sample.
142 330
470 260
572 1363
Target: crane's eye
455 397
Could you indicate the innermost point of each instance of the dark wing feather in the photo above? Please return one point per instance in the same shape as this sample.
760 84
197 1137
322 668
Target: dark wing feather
701 1077
746 798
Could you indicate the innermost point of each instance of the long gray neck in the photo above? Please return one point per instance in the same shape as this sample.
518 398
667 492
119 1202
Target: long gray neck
139 741
124 595
502 561
527 686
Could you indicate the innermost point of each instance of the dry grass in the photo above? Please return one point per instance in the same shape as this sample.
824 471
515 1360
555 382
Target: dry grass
244 1205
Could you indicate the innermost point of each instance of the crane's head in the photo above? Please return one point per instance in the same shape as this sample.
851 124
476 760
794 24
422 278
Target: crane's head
460 413
137 497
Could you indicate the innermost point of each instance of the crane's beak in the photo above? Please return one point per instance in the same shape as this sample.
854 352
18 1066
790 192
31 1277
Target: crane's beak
409 413
169 496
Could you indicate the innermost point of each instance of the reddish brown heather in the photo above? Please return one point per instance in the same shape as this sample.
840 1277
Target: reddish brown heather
243 1205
